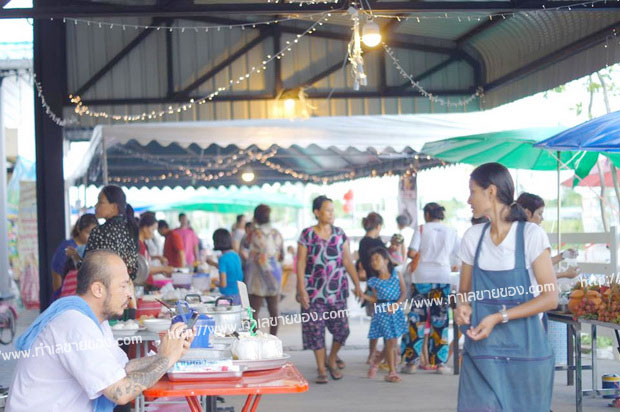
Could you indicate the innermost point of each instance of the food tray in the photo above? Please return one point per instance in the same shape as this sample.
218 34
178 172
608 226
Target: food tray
204 376
263 364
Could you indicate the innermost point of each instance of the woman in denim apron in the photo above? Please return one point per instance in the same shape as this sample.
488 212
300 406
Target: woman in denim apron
508 364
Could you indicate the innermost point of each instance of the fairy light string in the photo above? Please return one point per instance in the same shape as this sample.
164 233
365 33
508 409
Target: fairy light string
82 110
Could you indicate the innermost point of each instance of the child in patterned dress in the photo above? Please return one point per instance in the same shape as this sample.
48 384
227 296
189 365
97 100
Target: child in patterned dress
388 293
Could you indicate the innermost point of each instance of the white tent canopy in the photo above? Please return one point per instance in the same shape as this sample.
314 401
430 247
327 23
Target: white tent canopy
361 132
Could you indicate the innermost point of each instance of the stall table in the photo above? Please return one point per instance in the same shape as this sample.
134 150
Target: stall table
574 365
286 379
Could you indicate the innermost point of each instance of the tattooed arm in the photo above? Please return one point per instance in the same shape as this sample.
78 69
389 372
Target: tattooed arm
128 388
139 364
144 373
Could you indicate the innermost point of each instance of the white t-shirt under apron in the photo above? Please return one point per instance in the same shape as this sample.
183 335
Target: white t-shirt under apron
438 246
82 364
502 256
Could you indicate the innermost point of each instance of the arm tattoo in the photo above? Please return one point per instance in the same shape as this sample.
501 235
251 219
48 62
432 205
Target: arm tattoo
138 364
141 374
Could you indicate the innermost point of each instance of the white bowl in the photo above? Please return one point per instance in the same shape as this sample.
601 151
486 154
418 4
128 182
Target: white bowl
157 325
123 333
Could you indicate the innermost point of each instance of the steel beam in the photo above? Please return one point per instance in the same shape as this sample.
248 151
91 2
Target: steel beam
278 84
169 61
183 10
223 64
432 70
396 91
117 58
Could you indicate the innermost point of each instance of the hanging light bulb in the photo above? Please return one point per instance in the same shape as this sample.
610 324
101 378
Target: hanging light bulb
371 35
248 176
289 105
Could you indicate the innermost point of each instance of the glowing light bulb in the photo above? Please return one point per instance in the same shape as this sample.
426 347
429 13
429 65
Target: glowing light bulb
289 105
371 36
248 176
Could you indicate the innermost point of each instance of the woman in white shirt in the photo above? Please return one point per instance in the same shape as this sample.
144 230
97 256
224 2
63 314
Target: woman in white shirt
437 245
507 281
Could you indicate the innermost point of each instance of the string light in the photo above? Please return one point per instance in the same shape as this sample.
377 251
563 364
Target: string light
182 29
222 162
435 99
48 110
82 110
187 173
307 2
460 17
182 172
307 177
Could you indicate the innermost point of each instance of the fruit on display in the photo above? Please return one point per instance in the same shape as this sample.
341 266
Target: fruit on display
596 302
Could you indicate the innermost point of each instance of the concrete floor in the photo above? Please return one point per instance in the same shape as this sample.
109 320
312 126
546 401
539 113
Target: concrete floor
424 391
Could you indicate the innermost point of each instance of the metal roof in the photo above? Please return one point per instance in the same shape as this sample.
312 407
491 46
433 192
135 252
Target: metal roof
509 49
154 165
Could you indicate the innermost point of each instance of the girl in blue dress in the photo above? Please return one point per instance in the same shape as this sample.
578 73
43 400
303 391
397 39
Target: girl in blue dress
388 293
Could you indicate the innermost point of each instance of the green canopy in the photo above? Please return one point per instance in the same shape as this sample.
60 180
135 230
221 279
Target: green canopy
512 148
233 202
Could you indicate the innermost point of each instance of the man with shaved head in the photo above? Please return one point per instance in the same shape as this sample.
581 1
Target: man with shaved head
69 359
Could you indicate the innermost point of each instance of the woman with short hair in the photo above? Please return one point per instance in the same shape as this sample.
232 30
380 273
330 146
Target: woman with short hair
263 269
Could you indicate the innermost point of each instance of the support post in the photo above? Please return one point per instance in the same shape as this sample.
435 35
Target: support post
104 157
5 277
50 66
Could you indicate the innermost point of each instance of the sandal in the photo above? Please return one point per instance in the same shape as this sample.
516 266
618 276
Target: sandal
333 374
372 371
392 377
321 379
340 363
444 370
409 369
374 365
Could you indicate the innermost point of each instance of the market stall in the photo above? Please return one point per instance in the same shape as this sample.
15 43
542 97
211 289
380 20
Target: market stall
227 357
594 301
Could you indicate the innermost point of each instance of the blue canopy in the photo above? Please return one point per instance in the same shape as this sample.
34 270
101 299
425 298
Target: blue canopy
598 135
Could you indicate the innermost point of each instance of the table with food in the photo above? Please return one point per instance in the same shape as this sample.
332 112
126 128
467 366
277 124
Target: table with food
227 352
597 306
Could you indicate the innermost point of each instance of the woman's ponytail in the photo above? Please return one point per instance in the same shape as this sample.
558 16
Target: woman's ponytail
132 224
517 213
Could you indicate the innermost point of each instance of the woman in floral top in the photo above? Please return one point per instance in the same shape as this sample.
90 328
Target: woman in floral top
119 233
323 256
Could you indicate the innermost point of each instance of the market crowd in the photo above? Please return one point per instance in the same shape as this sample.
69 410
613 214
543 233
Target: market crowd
504 247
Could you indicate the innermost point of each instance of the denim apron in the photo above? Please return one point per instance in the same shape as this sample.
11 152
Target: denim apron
512 369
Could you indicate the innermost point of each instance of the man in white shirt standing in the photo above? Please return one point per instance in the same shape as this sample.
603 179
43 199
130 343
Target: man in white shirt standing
71 362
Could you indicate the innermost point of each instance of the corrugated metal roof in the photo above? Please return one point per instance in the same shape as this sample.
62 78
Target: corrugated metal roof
438 26
500 49
167 166
527 37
